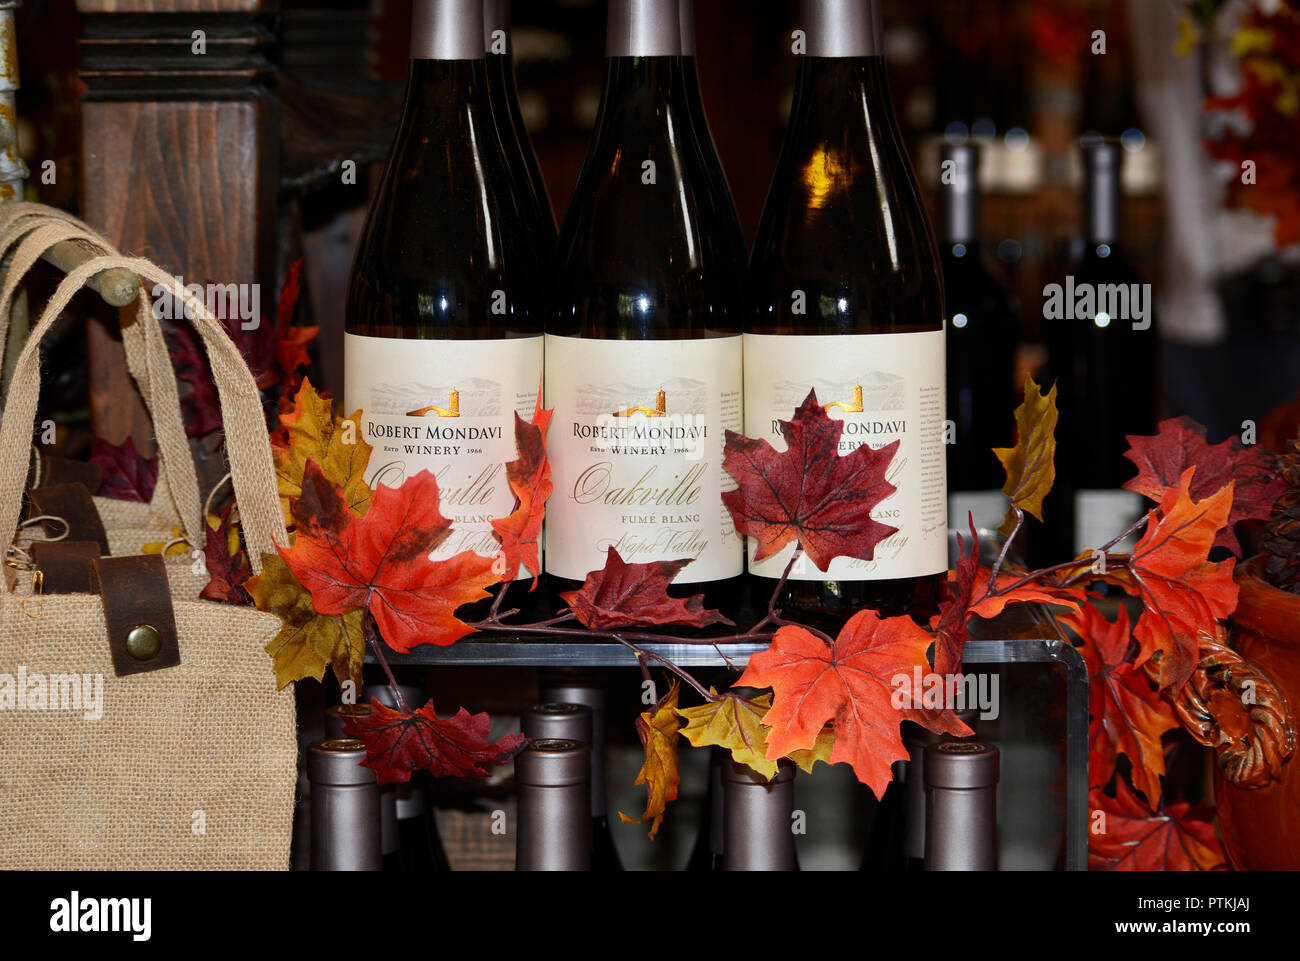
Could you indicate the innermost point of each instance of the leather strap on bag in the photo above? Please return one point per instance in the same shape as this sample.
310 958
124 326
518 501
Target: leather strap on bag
65 566
65 470
72 504
138 613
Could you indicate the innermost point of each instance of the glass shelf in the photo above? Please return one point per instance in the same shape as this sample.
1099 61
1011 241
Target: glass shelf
1025 635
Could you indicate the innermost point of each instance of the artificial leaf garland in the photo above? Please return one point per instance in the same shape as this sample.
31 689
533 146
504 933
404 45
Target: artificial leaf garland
831 698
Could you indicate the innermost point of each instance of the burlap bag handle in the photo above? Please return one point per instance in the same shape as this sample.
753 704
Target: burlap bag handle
178 481
248 445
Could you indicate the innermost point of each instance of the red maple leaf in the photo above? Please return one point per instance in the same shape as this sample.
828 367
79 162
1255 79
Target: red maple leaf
808 493
969 596
127 475
1128 715
228 570
1180 443
381 561
398 743
636 595
1184 594
1126 836
530 479
850 682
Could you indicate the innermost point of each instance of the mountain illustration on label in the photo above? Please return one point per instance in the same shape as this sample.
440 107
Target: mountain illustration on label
451 410
855 407
660 408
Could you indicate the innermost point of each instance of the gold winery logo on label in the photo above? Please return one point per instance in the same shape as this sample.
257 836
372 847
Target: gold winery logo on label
885 388
446 406
636 453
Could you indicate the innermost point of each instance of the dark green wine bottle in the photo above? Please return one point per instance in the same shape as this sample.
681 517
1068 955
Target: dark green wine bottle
846 298
643 335
443 342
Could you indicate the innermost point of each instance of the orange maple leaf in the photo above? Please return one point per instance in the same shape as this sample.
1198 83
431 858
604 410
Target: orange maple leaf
1184 593
381 561
530 479
850 682
1128 715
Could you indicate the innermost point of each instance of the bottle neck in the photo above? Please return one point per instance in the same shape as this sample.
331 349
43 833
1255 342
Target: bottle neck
644 28
496 28
959 200
637 87
436 84
447 30
1103 204
686 13
841 28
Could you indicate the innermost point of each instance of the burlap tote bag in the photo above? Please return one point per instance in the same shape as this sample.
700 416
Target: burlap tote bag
27 232
191 766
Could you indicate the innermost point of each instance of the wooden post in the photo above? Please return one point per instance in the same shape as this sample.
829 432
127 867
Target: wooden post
179 158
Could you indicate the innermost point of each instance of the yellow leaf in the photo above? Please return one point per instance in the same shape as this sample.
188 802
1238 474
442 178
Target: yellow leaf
336 445
1030 465
178 549
662 769
308 642
820 751
736 724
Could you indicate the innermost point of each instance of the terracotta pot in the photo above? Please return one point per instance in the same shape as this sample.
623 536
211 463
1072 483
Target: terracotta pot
1261 826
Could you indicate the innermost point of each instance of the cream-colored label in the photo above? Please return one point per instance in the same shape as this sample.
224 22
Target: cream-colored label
446 406
636 454
885 388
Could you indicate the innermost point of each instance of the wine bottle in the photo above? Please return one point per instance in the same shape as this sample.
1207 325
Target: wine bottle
344 807
443 340
419 843
981 342
588 689
694 99
707 855
916 739
643 347
389 838
553 781
504 94
757 821
846 299
961 825
897 841
1103 354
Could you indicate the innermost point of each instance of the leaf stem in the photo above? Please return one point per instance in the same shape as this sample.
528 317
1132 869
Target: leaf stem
644 655
1006 546
371 631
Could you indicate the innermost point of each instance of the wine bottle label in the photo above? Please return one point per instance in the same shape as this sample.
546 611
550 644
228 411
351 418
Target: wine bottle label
636 454
989 508
445 406
1100 515
885 388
